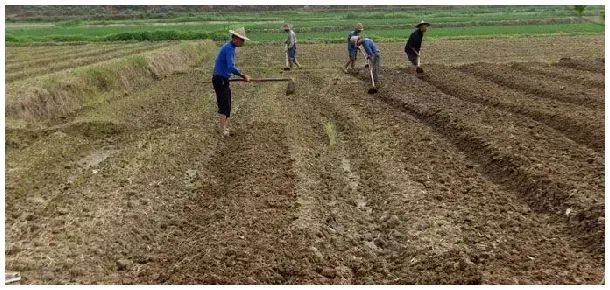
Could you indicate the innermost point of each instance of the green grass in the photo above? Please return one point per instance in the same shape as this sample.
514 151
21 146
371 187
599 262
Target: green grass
264 26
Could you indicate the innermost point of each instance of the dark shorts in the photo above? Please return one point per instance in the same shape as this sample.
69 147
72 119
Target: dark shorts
292 53
412 58
223 95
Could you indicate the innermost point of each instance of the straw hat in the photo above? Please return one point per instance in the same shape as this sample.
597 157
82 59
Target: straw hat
422 23
285 26
354 39
239 32
359 26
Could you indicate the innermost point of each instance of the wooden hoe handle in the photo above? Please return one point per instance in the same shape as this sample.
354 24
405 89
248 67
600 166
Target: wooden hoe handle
262 80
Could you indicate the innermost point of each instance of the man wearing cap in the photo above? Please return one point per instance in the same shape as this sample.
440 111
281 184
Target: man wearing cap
224 67
291 46
372 54
414 44
352 50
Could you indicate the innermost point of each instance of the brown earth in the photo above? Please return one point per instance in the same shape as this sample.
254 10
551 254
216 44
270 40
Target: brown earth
449 178
581 124
562 72
543 86
592 65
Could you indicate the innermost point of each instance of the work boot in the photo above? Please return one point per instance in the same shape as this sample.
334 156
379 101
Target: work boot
345 71
226 133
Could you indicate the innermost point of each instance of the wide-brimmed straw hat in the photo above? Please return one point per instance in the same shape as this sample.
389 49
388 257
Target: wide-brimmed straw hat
359 26
422 23
239 32
285 26
354 39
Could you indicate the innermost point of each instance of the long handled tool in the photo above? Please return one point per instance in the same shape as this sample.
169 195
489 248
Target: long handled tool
366 65
290 89
287 67
372 90
419 70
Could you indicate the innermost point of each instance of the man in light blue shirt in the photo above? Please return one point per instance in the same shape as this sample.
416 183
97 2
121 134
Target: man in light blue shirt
224 67
372 55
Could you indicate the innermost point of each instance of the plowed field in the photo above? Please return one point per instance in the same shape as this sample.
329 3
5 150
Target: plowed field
483 172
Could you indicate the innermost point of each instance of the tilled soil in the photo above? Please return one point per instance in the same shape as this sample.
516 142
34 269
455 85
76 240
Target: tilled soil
543 86
564 73
431 181
591 65
581 124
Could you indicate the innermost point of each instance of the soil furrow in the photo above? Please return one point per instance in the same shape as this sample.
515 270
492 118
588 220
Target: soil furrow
596 66
450 182
343 230
12 68
568 75
18 54
581 124
571 93
30 73
447 178
519 154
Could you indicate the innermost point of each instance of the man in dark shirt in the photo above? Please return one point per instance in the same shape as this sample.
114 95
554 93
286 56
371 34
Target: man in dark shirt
414 44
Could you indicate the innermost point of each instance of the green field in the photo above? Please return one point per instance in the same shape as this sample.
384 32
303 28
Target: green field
388 24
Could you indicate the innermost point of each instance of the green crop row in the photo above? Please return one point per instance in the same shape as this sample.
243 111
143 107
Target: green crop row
387 34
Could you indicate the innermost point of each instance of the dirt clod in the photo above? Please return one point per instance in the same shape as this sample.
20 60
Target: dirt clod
329 272
123 264
132 204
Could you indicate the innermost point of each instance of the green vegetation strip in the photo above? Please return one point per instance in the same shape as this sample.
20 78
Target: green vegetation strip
388 34
383 23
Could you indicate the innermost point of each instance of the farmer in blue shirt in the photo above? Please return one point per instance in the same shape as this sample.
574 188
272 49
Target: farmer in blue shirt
372 55
352 50
223 69
413 45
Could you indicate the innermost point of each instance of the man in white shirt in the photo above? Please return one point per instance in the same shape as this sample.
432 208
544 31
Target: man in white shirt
291 46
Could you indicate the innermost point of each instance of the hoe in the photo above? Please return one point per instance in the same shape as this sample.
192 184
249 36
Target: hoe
289 90
372 90
419 70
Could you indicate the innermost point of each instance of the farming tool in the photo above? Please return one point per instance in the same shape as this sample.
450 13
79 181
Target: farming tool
290 89
366 65
419 70
287 67
372 90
